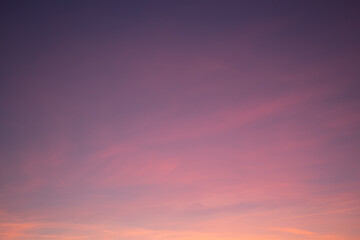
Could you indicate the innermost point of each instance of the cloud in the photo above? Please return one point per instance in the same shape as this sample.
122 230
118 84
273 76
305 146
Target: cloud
293 231
67 231
323 213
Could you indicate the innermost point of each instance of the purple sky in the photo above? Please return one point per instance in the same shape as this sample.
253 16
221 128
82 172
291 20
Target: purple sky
180 120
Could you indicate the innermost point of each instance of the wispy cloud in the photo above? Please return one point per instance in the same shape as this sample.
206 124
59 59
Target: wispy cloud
293 231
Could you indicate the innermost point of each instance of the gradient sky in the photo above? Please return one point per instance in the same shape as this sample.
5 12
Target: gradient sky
180 120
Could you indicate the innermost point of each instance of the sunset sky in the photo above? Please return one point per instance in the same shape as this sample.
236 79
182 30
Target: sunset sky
180 120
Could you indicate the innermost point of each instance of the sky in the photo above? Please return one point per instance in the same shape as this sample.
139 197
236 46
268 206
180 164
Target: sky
179 120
